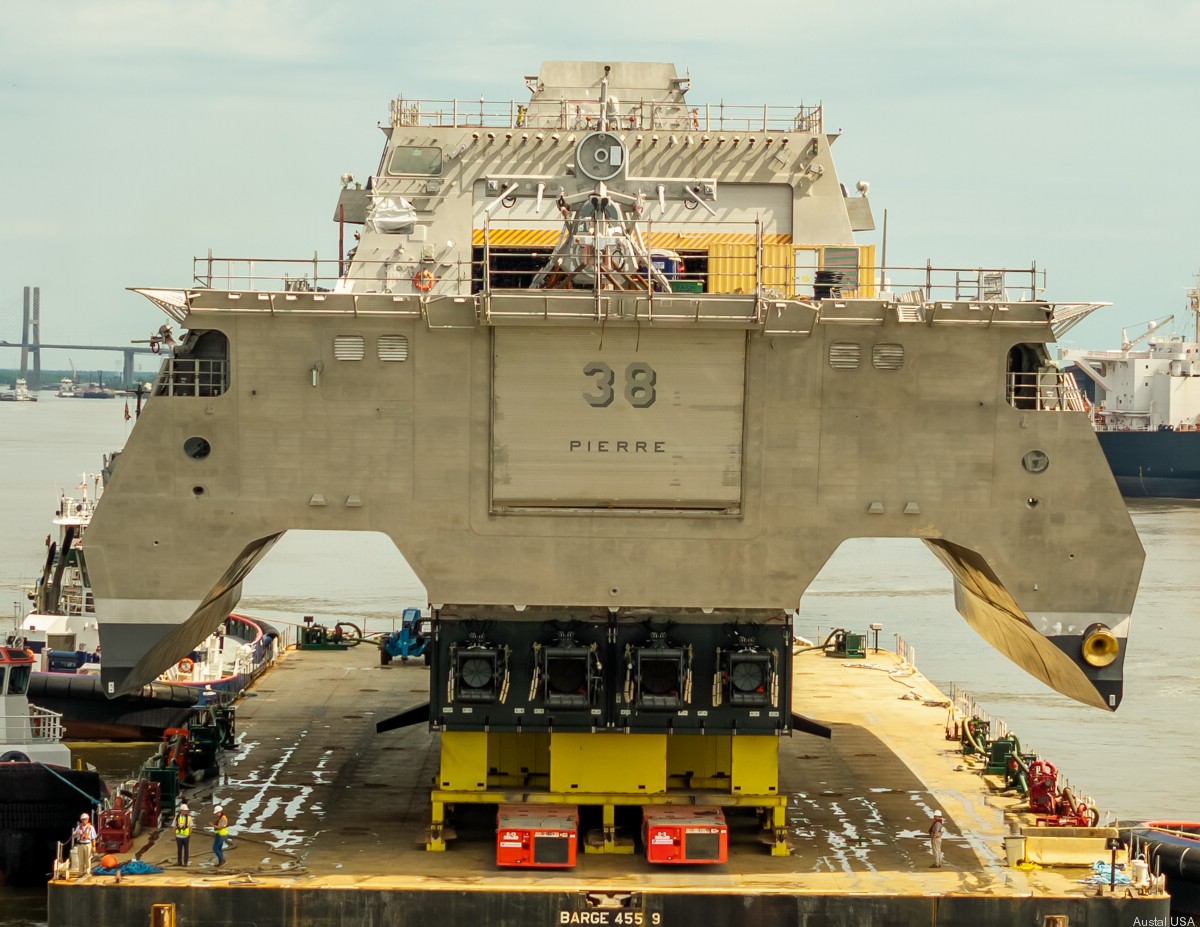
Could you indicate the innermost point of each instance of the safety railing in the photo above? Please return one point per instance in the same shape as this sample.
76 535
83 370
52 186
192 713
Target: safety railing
705 256
280 274
45 725
190 376
978 284
618 115
81 508
1044 391
77 603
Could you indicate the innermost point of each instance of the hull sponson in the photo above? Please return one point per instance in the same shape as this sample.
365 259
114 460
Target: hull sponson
1054 658
930 451
144 633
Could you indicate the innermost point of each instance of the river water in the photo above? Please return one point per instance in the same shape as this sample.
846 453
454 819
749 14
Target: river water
1137 762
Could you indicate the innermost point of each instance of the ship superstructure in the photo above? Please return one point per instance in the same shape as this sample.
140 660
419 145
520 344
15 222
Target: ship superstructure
609 368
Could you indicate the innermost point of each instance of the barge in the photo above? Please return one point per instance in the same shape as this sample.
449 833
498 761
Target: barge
329 822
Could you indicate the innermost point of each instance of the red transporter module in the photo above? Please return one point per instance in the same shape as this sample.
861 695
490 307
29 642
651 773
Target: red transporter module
537 836
674 834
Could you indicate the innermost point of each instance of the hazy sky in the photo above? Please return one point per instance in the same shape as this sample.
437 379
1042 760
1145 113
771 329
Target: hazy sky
137 134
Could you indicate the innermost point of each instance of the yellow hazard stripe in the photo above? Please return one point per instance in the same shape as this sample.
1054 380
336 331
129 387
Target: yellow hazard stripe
687 241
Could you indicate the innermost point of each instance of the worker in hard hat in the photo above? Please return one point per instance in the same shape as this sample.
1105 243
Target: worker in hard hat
220 829
935 839
183 834
84 836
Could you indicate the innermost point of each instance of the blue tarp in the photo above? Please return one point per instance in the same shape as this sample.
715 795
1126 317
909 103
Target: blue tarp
133 867
1101 875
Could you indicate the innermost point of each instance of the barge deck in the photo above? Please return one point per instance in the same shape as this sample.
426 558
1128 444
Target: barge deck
329 821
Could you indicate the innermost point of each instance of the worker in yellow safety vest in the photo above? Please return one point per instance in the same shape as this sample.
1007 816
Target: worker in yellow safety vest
220 827
183 834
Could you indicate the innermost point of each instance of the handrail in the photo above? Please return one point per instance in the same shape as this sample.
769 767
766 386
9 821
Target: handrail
1044 391
585 114
921 284
45 725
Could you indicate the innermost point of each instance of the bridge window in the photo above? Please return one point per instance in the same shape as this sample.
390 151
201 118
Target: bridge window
18 680
411 159
393 347
349 348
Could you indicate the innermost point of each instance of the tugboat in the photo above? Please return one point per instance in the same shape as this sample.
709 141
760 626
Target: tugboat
1147 408
63 631
20 393
41 796
1173 849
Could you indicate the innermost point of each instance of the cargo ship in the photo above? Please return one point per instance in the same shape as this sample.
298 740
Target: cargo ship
611 370
1146 407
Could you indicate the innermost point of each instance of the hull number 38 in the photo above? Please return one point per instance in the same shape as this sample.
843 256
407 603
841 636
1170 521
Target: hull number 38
637 387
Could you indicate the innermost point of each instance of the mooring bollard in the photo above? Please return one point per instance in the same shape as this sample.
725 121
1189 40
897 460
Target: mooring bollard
162 915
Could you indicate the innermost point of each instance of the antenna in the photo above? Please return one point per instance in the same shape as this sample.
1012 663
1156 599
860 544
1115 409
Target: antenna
1194 304
604 99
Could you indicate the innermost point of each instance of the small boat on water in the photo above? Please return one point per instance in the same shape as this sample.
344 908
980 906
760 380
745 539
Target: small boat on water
1146 407
93 391
62 631
1172 848
66 388
20 393
41 796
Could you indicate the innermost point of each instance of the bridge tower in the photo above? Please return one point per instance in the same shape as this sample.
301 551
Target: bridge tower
32 320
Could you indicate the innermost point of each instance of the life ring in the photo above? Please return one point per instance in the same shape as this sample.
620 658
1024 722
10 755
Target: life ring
185 666
423 281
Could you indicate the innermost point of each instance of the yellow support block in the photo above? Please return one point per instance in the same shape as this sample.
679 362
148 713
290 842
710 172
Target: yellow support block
754 764
435 840
518 760
699 762
779 846
607 841
464 761
625 763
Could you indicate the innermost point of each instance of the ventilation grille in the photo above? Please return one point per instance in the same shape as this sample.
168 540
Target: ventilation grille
393 347
887 356
349 348
844 355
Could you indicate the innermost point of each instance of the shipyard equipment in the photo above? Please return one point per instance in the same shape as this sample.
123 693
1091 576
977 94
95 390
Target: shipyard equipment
537 836
685 835
409 640
847 645
319 637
